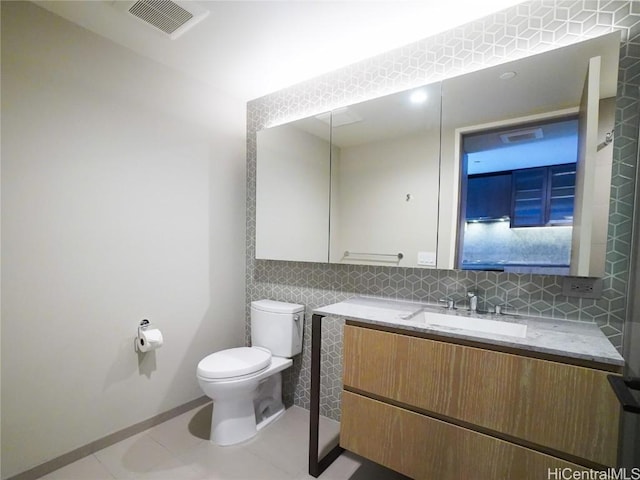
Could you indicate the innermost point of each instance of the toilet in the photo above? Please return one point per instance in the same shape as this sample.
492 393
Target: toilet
245 383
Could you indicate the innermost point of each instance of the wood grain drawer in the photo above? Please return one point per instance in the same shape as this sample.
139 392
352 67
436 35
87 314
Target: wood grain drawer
425 448
560 407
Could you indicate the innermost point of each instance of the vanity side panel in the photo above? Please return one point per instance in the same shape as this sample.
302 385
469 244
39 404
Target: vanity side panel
422 447
562 407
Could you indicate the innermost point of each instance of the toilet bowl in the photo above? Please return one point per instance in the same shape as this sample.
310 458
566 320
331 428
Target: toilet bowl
245 383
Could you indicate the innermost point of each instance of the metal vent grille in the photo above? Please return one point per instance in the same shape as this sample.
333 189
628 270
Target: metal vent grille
522 135
162 14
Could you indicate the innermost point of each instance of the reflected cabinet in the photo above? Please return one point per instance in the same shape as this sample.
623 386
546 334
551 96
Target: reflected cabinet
492 170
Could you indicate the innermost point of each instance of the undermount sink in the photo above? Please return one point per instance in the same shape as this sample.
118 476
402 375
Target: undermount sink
472 323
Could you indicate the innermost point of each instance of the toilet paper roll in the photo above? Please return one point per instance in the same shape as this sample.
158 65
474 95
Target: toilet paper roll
149 339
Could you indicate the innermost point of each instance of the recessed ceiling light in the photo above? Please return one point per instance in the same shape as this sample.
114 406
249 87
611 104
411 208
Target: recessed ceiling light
507 75
418 96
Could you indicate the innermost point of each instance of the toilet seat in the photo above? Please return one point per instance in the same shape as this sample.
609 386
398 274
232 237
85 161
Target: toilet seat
234 362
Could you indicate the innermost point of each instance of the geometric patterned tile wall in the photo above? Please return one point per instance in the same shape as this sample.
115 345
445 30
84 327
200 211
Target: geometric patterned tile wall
530 27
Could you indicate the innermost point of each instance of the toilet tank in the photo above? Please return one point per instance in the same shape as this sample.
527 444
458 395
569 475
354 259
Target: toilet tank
277 326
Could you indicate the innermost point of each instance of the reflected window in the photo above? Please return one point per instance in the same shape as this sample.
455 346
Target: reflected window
518 189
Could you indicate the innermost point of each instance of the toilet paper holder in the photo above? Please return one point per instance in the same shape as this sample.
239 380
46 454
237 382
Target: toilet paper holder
144 324
140 339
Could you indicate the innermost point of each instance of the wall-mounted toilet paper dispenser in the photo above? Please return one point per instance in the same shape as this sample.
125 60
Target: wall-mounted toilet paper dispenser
148 338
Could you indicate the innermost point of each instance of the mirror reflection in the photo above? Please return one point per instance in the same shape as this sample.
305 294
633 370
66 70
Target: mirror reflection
385 163
507 169
292 190
520 191
520 146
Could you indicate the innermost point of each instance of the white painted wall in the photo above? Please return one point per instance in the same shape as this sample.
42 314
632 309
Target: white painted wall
123 198
292 195
370 184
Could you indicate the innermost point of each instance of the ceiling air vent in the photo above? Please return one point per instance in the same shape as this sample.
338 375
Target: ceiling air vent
172 18
521 135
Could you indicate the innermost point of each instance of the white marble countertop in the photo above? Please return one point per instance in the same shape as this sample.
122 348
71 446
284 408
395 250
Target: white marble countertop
567 338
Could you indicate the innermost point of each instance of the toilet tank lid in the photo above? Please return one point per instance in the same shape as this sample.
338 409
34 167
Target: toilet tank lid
276 306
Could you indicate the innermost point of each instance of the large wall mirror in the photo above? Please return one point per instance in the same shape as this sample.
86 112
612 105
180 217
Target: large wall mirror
526 162
505 169
385 167
292 190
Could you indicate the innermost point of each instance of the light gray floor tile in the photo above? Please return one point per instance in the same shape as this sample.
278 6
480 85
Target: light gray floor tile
350 466
87 468
285 442
234 462
133 456
179 449
185 432
172 469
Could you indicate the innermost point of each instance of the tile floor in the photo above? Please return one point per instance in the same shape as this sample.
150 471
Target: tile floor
179 449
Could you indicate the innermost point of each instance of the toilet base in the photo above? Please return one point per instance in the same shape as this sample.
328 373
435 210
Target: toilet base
270 420
235 420
232 422
268 404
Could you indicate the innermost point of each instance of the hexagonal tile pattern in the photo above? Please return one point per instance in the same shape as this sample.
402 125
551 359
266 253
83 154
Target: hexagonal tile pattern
522 30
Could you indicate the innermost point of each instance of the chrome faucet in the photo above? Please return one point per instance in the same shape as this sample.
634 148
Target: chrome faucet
473 301
449 302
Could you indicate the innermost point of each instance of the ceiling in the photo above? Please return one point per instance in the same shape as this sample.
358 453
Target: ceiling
549 81
248 49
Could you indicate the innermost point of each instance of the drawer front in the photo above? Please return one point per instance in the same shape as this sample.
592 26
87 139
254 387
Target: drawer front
425 448
563 407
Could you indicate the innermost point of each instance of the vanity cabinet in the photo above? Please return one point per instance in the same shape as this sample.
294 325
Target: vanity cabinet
429 408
